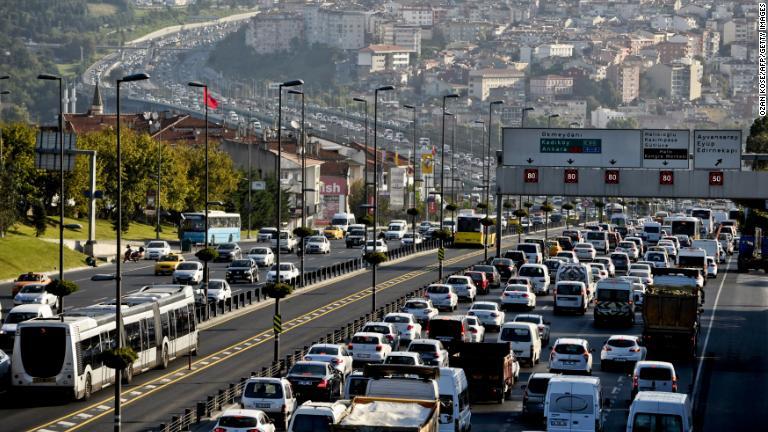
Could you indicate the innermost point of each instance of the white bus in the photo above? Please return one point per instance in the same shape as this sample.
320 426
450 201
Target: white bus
689 226
705 215
51 355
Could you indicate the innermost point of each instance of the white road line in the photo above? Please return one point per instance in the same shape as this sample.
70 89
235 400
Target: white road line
696 386
103 407
66 423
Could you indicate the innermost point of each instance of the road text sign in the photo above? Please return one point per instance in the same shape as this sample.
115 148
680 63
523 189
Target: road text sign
717 149
664 148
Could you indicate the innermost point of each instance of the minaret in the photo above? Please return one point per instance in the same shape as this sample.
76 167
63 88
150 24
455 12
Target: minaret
73 100
97 106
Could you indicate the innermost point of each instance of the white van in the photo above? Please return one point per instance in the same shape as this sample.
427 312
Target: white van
524 338
274 396
396 230
455 415
673 410
712 247
539 276
343 220
532 252
579 272
599 239
571 296
24 312
652 231
573 404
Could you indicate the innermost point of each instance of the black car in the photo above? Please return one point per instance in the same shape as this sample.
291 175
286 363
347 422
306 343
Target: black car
314 380
505 267
355 237
245 270
517 256
228 252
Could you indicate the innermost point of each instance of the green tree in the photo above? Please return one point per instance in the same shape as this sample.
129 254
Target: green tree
39 218
622 123
61 288
757 141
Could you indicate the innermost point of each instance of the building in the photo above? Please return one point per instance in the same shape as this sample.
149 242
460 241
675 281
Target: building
406 36
465 30
378 58
551 85
626 78
675 48
274 33
554 50
601 116
417 15
678 80
481 81
342 29
739 30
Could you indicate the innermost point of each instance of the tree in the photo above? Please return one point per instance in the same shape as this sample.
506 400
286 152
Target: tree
567 207
622 123
61 288
39 218
599 205
757 141
546 207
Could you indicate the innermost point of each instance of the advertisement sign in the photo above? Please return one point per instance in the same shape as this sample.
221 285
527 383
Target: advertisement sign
333 185
427 163
330 206
398 181
717 149
666 148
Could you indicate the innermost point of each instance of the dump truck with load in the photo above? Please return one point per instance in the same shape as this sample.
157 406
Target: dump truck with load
671 320
379 414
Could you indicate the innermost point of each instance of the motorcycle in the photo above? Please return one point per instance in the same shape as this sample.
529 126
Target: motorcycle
133 255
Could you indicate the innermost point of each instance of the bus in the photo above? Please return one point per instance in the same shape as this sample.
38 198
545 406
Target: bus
689 226
222 227
65 354
470 232
613 208
705 215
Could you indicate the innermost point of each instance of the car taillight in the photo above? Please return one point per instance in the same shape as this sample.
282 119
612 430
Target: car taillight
410 327
586 357
674 385
349 347
607 348
379 347
390 338
322 384
635 381
337 361
218 429
634 350
473 330
462 330
525 295
506 294
283 408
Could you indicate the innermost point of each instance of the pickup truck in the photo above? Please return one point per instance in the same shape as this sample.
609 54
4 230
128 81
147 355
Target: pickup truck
491 370
288 242
355 238
378 414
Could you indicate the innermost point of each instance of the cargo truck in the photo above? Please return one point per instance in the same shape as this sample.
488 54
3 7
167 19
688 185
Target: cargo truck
671 320
378 414
753 252
490 368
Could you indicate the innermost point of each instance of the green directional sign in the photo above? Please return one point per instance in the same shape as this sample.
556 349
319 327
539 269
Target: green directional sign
441 254
277 324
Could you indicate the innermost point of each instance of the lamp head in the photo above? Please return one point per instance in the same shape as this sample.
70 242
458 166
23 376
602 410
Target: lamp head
292 83
134 77
197 84
49 77
385 88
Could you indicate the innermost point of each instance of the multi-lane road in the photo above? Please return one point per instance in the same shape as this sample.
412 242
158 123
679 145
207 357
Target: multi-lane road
728 379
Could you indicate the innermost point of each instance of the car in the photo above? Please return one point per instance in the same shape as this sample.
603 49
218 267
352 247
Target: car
288 273
238 420
333 232
335 354
166 264
534 392
621 350
481 282
585 251
317 244
569 255
659 258
669 247
188 273
355 237
274 396
518 295
218 290
406 324
27 279
404 358
315 380
465 288
476 329
538 274
156 249
431 351
35 294
711 267
491 273
228 252
518 257
488 313
377 246
421 308
411 238
263 256
388 330
598 271
571 355
552 265
643 274
607 264
368 348
442 296
620 262
506 268
266 234
243 270
285 243
541 324
653 376
629 248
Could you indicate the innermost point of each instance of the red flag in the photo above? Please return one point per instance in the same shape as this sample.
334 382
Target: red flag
209 100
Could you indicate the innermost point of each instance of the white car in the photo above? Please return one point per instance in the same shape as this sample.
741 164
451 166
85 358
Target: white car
572 355
476 329
585 251
607 264
645 275
431 351
422 309
539 276
410 239
380 246
629 248
541 324
265 234
518 295
188 273
405 324
218 290
621 350
570 256
35 294
337 355
238 420
263 256
464 286
654 376
156 249
404 358
272 395
288 273
442 296
488 313
369 347
669 246
598 271
318 245
711 267
658 258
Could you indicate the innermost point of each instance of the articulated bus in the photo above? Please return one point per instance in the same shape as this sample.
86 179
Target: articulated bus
470 232
65 356
222 227
689 226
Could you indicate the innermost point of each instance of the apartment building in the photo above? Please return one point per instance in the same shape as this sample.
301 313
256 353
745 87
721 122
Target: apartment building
406 36
678 80
481 81
739 30
554 50
342 29
379 58
417 15
273 33
626 78
551 85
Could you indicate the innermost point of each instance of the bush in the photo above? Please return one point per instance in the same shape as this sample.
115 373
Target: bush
413 212
375 258
520 213
366 220
302 232
527 204
451 207
119 359
207 254
507 204
61 288
481 206
443 234
547 207
278 290
486 221
567 206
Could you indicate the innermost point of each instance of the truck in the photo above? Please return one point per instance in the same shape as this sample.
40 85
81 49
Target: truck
379 414
753 252
671 320
491 369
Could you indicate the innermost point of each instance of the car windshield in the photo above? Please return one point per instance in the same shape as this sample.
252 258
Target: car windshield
263 390
308 369
361 339
515 334
29 278
227 246
438 289
456 281
170 258
416 305
33 289
618 259
400 360
501 262
484 268
17 317
476 276
628 245
324 350
156 245
357 233
317 239
283 267
528 318
655 373
483 306
377 329
621 343
241 263
237 421
571 349
397 319
421 348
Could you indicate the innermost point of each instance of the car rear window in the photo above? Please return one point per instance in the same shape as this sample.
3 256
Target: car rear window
655 373
527 247
612 295
324 350
456 281
649 422
528 319
422 348
238 422
515 334
365 339
377 329
416 305
263 390
568 289
400 360
438 289
537 385
357 385
308 369
311 423
621 343
397 319
571 349
531 271
444 327
483 306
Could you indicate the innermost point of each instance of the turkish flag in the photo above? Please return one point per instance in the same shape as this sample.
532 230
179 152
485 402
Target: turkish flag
209 100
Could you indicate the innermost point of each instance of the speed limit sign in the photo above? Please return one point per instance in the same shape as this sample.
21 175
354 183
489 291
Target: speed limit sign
571 176
715 178
531 175
666 177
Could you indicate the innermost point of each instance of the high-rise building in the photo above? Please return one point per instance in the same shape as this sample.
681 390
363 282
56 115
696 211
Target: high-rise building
626 78
677 80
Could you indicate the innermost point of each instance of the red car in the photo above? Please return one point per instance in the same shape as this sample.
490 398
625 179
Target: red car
481 282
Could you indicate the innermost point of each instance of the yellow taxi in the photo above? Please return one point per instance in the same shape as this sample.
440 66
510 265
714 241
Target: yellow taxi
29 279
333 232
167 264
554 247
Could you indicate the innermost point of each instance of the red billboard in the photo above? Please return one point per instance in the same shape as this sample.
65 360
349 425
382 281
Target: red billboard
333 185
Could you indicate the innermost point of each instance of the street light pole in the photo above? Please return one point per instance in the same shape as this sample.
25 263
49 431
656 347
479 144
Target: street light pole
375 190
365 163
520 197
442 182
549 119
157 198
303 182
413 199
2 148
487 174
453 163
